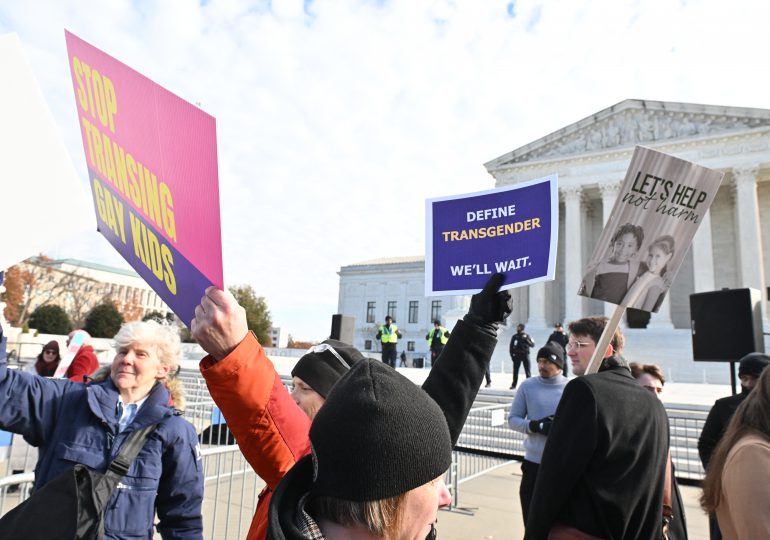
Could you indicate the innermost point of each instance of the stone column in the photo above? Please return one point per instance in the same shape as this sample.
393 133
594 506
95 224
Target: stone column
609 191
573 253
458 307
703 257
662 319
749 240
537 306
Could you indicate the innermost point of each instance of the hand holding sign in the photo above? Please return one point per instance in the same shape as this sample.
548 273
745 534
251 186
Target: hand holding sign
219 324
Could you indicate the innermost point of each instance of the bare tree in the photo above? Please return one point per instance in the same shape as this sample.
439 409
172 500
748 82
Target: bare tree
42 283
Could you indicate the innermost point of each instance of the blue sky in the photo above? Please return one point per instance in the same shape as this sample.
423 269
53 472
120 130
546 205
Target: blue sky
337 119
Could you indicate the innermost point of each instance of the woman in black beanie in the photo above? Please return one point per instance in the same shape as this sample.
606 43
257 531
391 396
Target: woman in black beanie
381 445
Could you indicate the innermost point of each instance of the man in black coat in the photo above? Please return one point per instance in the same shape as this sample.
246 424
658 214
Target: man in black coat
603 467
519 348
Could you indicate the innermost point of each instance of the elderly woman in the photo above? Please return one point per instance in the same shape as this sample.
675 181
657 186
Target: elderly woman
76 423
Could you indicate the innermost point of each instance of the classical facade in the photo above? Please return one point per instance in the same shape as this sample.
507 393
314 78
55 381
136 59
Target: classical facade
591 157
370 290
77 286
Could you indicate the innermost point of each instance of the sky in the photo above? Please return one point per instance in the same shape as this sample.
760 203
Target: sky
336 119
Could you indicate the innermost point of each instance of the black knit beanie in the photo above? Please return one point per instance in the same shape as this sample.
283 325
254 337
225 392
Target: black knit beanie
753 364
321 370
552 352
377 436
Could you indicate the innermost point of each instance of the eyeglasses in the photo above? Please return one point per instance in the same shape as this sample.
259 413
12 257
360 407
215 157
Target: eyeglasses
323 347
571 345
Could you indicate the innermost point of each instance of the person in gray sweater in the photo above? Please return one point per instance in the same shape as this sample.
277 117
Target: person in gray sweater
532 414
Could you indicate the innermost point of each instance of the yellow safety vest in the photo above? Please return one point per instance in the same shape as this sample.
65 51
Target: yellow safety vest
388 335
443 337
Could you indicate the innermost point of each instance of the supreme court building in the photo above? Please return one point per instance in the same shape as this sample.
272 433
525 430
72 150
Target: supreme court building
591 157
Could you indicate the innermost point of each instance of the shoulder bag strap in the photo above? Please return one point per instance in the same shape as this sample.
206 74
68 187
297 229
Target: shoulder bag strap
128 452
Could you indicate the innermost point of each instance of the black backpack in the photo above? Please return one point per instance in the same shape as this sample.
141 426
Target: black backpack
72 505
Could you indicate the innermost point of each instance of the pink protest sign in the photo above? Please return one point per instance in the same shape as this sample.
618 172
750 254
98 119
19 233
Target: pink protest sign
152 165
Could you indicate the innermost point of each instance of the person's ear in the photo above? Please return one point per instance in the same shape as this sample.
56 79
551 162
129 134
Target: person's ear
609 352
163 371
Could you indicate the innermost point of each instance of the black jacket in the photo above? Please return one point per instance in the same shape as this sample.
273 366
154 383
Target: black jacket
520 344
716 423
603 466
453 383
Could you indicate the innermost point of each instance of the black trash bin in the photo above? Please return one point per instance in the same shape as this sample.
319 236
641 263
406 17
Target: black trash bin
418 362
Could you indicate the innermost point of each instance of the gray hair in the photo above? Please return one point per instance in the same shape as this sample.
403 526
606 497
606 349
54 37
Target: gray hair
164 337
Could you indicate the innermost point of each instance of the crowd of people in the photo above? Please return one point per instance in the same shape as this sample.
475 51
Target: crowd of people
356 450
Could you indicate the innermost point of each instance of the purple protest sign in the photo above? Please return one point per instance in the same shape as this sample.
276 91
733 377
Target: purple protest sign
152 166
512 230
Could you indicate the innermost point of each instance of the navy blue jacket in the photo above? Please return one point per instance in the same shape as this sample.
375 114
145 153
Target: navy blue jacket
74 423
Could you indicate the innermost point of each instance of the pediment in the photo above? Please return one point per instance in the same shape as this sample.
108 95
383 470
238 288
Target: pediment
633 122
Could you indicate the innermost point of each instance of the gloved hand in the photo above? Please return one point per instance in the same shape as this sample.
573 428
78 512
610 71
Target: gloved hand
541 426
491 306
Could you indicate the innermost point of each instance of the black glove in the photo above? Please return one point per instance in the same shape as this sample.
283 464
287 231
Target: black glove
541 426
491 306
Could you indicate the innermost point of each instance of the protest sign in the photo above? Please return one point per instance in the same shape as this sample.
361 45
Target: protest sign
659 207
512 230
44 202
77 340
152 165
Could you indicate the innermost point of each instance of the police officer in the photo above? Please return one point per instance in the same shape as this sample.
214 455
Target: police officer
437 338
388 334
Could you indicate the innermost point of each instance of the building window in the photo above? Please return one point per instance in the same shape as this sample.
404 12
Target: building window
370 312
392 309
435 310
368 344
410 346
413 306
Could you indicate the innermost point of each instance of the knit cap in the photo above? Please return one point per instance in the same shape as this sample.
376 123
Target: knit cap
377 436
552 352
324 364
753 364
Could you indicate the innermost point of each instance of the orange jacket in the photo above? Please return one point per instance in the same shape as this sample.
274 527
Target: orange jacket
270 428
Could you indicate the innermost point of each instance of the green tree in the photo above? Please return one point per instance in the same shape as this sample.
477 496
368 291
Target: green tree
104 320
50 319
257 314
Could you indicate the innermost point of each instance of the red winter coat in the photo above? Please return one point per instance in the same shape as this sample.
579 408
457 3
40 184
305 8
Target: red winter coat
84 363
270 428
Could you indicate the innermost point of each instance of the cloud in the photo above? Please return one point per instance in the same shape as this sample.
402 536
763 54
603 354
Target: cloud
336 119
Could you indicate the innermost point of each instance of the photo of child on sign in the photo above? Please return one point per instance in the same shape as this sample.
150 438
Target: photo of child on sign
612 278
659 208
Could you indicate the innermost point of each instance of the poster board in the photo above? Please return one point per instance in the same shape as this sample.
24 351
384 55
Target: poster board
469 237
152 166
660 206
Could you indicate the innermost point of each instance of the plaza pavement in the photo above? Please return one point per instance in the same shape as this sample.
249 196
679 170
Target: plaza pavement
494 500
